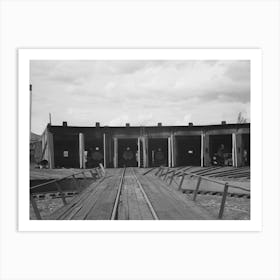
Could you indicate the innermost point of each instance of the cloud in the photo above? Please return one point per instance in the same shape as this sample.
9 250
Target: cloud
139 92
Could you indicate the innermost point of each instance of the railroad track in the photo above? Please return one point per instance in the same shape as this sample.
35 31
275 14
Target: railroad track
114 215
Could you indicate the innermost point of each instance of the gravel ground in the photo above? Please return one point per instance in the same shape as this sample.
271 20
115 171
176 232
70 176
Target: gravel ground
235 208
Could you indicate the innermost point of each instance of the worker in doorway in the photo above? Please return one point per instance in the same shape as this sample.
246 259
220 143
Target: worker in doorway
159 157
128 157
221 154
245 157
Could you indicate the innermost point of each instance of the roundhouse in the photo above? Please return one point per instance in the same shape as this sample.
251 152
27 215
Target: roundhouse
146 146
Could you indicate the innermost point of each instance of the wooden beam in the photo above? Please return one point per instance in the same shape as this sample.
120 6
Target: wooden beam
172 176
223 203
102 169
181 182
197 188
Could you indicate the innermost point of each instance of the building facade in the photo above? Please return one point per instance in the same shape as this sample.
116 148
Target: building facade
146 146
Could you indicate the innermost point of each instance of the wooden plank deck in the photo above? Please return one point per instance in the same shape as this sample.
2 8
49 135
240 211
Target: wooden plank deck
169 203
97 201
132 203
220 174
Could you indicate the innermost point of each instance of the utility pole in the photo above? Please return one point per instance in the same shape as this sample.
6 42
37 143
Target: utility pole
30 102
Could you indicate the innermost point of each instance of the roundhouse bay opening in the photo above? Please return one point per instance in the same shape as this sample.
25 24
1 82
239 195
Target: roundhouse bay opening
221 149
66 151
94 153
246 150
188 150
127 151
158 151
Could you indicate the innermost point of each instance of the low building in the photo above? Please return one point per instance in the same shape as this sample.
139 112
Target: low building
146 146
35 149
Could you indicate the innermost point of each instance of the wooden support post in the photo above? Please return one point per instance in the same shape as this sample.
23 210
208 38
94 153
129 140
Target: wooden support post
102 168
92 174
76 184
104 150
115 152
35 208
171 177
148 171
84 175
61 192
159 169
181 182
97 172
197 188
223 203
166 174
82 150
161 172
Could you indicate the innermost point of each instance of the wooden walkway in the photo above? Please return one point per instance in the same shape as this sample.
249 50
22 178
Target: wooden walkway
135 197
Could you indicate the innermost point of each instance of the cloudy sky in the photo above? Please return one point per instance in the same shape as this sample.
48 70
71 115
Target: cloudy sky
139 92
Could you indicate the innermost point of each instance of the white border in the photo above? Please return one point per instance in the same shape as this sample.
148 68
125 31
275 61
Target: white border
254 55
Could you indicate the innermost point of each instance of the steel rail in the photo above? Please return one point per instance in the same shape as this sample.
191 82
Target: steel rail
154 214
116 203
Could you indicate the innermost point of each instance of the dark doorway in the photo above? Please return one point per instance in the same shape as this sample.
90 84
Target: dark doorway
246 150
127 150
66 151
158 152
188 150
221 149
94 153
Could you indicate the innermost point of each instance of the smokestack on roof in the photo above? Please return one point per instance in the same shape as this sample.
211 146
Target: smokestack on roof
64 124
